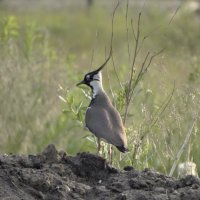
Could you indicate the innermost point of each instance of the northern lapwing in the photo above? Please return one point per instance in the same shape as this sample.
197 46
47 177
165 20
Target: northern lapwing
102 118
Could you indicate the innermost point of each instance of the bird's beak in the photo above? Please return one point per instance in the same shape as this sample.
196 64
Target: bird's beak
82 82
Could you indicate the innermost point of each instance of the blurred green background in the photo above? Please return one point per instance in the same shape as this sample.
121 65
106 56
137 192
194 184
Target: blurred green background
46 47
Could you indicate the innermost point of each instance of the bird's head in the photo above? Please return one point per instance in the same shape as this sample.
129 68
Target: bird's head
93 78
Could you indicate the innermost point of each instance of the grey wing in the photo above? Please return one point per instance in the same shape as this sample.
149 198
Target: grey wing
115 116
118 125
100 123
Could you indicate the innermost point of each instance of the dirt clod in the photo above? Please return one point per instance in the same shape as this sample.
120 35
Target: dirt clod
54 175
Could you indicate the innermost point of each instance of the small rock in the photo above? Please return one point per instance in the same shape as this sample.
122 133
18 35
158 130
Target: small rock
137 184
81 188
100 181
67 188
190 180
121 197
195 186
160 190
116 187
174 192
35 161
50 153
113 170
102 188
75 195
128 168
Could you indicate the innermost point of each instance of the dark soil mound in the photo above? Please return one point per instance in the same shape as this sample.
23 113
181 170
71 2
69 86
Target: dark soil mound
53 175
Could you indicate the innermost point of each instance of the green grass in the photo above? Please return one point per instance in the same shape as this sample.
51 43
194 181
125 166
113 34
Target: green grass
39 52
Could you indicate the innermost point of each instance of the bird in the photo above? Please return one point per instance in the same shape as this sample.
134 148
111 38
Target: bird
102 118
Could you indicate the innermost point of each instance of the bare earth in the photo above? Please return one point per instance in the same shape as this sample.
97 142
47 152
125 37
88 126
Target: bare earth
53 175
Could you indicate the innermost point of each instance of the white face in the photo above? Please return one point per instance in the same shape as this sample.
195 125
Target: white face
98 76
97 79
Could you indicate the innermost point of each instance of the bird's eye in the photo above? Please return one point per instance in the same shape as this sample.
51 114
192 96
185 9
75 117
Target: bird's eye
88 77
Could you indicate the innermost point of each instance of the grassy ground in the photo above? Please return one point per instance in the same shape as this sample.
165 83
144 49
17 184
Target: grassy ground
44 54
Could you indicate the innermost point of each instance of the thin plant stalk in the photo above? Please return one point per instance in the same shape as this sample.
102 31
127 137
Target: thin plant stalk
183 146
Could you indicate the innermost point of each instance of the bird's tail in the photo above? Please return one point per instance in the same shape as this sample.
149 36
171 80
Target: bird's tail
122 149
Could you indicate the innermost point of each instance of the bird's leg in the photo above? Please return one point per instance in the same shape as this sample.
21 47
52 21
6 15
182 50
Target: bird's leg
110 153
98 146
